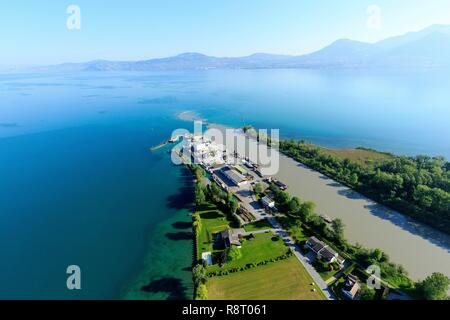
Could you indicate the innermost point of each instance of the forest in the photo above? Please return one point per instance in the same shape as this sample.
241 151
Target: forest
417 186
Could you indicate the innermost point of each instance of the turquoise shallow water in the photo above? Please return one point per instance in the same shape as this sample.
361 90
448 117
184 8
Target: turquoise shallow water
89 196
79 186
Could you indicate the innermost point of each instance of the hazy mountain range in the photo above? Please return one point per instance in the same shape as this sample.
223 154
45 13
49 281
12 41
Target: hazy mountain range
426 48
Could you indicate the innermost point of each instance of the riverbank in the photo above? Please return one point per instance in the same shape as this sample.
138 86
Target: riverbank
419 248
422 250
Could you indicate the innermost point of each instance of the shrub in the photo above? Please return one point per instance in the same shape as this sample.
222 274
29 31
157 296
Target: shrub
234 253
202 292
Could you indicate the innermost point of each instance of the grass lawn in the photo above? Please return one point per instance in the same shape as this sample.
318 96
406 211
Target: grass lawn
297 232
361 156
281 280
325 275
213 221
258 249
258 225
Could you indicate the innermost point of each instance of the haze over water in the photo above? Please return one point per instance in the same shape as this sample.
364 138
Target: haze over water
80 187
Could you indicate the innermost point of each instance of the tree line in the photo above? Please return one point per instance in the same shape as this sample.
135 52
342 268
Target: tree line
415 186
207 193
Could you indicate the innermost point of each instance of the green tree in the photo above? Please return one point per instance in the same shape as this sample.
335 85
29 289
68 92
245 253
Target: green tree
199 174
234 253
283 198
229 198
435 287
338 229
294 205
199 274
366 293
258 188
197 226
416 186
234 205
200 197
354 179
215 192
202 292
306 210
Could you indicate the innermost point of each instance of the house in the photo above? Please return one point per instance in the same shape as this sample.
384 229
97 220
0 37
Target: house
327 254
341 260
351 287
207 258
315 244
235 177
232 237
323 251
267 202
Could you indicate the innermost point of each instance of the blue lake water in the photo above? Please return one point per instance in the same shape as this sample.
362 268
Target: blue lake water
79 186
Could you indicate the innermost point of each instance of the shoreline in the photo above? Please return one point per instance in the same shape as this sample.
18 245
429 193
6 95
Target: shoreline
370 223
165 270
415 245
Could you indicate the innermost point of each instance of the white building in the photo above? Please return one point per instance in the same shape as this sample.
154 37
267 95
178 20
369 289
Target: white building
205 152
235 177
267 202
207 258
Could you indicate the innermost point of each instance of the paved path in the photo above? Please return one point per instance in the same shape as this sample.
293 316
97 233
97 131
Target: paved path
304 260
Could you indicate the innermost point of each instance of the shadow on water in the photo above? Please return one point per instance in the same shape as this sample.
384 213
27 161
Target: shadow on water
350 194
182 235
183 199
334 184
182 225
173 286
408 224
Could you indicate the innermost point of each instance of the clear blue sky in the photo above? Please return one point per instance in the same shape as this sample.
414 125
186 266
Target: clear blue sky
35 32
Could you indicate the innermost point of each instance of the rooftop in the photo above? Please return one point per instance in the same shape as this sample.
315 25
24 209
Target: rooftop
233 175
232 236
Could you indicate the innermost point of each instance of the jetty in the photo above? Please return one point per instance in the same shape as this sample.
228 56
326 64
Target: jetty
166 142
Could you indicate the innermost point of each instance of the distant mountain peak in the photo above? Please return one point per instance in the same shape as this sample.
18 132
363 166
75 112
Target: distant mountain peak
444 28
429 47
191 55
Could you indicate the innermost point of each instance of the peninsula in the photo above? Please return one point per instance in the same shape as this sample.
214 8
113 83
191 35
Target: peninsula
238 210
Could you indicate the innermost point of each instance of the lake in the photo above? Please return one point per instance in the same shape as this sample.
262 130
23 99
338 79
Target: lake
79 185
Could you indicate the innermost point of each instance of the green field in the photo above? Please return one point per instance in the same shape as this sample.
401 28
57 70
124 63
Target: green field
359 155
282 280
213 221
262 247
